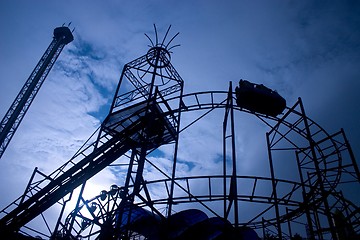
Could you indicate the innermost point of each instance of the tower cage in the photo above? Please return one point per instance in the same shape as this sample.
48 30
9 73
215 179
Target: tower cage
302 190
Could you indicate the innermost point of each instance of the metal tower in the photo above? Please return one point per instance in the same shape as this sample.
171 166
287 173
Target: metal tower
150 201
18 109
136 125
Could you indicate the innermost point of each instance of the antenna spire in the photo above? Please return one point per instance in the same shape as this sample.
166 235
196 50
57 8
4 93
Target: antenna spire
163 44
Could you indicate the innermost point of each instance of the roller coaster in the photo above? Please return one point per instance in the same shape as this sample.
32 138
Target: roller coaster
146 115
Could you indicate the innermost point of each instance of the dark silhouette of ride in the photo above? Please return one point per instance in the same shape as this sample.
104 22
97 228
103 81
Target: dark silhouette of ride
258 98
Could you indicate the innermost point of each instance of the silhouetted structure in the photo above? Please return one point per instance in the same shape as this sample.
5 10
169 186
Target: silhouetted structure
18 109
145 114
258 98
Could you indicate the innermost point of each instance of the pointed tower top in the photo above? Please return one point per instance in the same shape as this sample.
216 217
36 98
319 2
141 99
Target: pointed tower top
159 53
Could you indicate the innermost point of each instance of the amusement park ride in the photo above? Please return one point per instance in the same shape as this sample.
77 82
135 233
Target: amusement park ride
146 114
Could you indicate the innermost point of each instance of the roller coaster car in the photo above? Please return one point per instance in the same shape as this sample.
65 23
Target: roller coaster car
258 98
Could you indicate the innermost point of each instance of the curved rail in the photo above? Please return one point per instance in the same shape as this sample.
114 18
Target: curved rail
98 209
218 99
91 214
210 100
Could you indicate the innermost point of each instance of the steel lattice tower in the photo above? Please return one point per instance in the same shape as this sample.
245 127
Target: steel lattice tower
308 169
125 129
18 109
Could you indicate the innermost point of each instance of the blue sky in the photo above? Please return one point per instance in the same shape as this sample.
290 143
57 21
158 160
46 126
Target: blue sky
307 49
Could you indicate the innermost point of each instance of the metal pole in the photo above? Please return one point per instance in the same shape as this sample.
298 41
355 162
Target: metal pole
352 156
288 222
318 172
28 185
307 210
175 152
60 216
263 227
224 161
234 172
76 207
272 173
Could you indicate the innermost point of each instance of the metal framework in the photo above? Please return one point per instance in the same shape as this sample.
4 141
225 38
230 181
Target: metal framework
18 109
145 115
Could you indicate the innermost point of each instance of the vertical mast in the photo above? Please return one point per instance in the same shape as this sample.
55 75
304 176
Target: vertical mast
16 112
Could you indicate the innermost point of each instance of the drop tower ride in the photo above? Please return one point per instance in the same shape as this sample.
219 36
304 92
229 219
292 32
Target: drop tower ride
18 109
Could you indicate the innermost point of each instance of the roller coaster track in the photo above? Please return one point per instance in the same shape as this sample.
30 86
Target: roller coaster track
95 217
324 142
94 157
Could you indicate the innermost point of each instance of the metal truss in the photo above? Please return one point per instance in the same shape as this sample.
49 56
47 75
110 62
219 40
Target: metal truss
22 102
145 114
291 200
